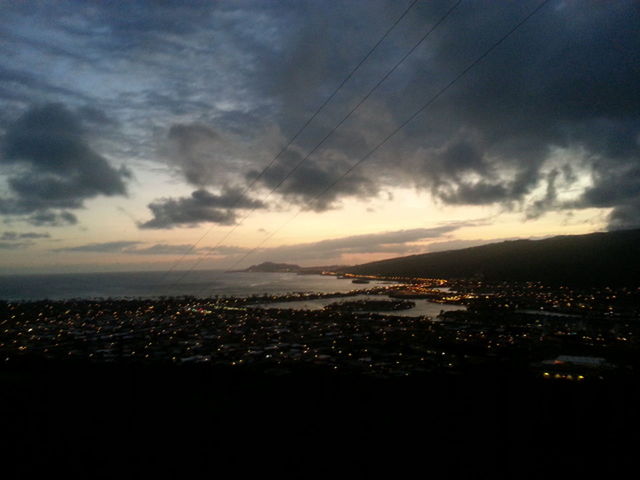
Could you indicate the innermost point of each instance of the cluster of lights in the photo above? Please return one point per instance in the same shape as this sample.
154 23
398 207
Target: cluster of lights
562 376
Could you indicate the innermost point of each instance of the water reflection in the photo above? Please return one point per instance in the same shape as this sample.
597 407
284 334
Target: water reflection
423 307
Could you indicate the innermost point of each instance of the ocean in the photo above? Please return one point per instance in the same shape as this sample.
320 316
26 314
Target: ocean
201 283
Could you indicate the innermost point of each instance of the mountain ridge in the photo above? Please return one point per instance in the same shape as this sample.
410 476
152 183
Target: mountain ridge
595 258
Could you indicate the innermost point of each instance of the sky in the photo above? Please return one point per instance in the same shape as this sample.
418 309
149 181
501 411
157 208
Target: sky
135 135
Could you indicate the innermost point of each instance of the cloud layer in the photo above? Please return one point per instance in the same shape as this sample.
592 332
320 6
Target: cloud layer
13 240
51 168
213 90
201 206
393 242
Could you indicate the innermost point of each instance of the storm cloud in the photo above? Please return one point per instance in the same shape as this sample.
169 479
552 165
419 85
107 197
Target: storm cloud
201 206
51 168
214 90
315 185
616 184
558 95
202 155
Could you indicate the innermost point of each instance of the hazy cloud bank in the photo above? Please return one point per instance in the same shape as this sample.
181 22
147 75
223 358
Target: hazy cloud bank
394 243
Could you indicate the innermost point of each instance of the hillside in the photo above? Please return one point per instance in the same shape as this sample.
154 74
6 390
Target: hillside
608 258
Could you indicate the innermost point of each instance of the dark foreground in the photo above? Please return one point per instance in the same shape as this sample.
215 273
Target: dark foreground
186 421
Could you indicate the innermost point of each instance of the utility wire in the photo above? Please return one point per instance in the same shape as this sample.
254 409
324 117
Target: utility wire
294 138
424 106
332 131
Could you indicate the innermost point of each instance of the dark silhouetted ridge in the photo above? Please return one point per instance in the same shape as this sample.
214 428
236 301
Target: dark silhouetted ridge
607 258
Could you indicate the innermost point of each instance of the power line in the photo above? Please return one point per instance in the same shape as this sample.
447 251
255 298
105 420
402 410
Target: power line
332 131
296 135
424 106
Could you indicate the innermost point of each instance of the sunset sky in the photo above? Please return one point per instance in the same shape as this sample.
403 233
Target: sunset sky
129 130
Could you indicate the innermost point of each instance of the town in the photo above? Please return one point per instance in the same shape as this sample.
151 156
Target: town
550 333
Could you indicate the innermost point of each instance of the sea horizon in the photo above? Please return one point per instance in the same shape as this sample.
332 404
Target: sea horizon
155 284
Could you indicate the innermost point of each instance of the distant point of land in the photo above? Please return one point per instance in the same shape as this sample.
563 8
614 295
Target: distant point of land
268 267
271 267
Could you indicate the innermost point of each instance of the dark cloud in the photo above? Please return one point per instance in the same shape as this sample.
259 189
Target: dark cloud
47 47
309 183
564 81
615 185
226 84
203 155
538 207
23 86
356 242
12 245
625 216
560 82
395 242
106 247
130 248
163 249
473 193
51 219
567 85
94 116
22 235
224 250
11 240
166 249
201 206
398 242
51 166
